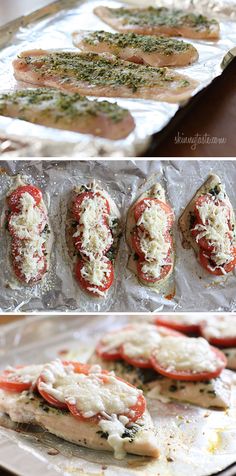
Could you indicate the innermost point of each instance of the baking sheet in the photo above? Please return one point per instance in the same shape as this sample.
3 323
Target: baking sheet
190 288
52 26
192 440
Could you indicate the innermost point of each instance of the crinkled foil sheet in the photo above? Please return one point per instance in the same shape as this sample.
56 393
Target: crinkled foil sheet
189 289
51 27
192 440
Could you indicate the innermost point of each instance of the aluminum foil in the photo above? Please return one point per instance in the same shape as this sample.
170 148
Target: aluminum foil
191 288
52 26
192 440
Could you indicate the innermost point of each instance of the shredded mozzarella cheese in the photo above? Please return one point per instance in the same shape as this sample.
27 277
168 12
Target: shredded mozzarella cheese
215 228
27 224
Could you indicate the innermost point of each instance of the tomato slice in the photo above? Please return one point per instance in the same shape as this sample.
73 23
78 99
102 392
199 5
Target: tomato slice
12 383
86 285
17 260
12 230
136 362
172 323
188 375
77 203
113 354
218 341
135 238
133 413
13 200
209 265
145 277
144 203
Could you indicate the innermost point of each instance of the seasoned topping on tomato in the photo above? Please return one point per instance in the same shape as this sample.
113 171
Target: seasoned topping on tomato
187 358
151 239
29 221
93 238
214 234
26 223
14 200
95 276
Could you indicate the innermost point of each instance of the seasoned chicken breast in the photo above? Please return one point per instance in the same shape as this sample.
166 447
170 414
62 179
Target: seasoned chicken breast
160 21
99 75
31 409
151 50
68 111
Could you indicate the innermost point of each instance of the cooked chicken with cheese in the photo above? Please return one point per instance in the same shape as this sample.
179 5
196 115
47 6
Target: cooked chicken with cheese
60 398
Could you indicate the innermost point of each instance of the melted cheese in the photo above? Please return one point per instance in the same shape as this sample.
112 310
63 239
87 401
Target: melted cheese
220 326
215 229
28 374
112 395
92 395
186 354
138 341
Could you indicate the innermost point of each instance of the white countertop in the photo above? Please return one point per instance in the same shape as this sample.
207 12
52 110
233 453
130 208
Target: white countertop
12 9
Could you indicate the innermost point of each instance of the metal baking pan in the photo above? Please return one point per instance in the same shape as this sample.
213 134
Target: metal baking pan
52 26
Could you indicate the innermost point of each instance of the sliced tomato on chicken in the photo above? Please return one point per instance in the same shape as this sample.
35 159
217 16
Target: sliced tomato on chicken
11 381
181 327
78 203
111 353
86 285
17 262
225 341
13 200
141 206
190 375
165 269
133 413
78 368
207 198
136 241
136 362
211 267
12 229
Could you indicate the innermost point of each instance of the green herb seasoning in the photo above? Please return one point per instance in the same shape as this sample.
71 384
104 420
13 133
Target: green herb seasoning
61 105
145 43
152 16
89 69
